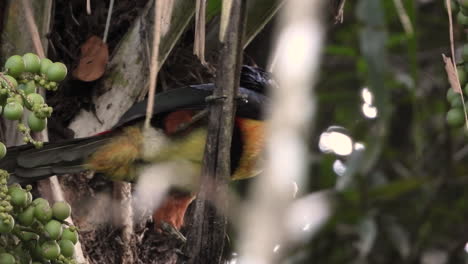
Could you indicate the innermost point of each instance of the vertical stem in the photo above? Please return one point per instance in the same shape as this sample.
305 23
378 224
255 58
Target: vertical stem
207 234
33 28
154 66
298 50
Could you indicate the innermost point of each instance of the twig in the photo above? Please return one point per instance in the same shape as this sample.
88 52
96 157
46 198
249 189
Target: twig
109 15
123 215
340 12
404 18
33 29
199 43
88 7
197 117
154 64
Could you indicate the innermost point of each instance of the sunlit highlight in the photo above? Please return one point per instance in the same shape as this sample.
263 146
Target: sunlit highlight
369 111
359 146
336 142
276 248
367 96
307 215
339 167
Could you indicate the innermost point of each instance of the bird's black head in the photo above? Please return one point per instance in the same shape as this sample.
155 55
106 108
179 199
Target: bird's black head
255 79
254 83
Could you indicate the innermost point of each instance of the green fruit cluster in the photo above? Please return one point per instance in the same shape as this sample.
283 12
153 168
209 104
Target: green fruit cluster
32 231
455 116
19 82
30 67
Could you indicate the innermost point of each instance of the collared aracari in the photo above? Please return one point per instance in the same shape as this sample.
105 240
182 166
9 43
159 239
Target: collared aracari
122 153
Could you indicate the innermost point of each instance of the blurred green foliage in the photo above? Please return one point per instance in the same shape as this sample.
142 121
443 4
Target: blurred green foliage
406 198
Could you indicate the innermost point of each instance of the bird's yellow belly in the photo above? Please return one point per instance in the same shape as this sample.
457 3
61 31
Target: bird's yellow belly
133 152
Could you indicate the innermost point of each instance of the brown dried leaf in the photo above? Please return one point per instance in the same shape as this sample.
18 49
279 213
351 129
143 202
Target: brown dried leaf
93 60
452 74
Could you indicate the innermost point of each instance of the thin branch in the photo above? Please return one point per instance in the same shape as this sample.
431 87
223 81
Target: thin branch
207 235
199 43
154 65
404 18
109 15
33 29
88 7
340 12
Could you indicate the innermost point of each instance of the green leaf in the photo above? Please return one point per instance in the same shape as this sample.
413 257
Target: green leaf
213 8
395 189
341 50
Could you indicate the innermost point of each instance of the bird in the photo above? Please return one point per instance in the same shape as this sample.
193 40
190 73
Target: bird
177 136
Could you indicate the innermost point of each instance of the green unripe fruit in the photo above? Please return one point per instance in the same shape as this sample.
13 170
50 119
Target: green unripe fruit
28 88
461 76
27 236
18 196
13 111
36 251
61 210
11 81
17 99
67 248
26 217
15 65
465 53
455 117
53 229
56 72
3 150
35 98
43 212
457 102
29 195
40 201
7 224
6 258
465 90
45 63
68 234
32 63
50 250
36 124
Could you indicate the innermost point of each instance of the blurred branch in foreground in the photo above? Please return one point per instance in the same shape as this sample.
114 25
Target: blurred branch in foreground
296 61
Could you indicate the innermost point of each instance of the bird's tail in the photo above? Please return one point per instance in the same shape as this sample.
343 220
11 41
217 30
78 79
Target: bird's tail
27 164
